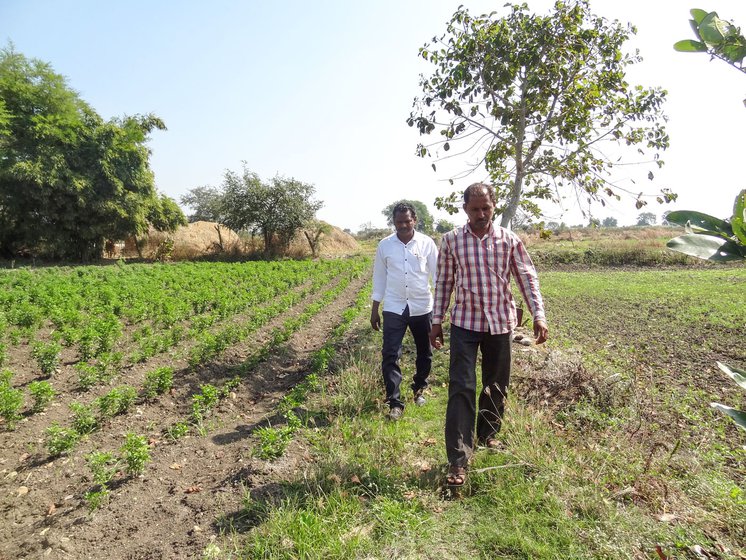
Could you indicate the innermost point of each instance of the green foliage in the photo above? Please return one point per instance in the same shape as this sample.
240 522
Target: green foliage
96 498
158 382
103 466
444 226
61 440
68 179
276 210
42 393
135 453
609 222
542 93
204 401
84 419
47 355
424 217
11 400
711 238
116 401
177 431
716 37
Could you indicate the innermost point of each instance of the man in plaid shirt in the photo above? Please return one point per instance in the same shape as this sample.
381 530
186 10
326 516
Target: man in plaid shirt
476 262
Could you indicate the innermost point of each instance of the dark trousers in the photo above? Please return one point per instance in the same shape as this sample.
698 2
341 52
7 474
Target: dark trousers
394 328
461 411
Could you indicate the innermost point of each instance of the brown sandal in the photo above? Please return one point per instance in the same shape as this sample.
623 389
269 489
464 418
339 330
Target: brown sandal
456 476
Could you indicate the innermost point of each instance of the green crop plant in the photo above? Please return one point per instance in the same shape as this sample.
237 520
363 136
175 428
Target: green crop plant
103 466
84 419
204 401
11 400
135 453
158 382
116 401
61 440
177 431
47 355
42 393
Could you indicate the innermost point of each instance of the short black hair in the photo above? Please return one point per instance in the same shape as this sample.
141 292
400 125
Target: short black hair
401 207
480 189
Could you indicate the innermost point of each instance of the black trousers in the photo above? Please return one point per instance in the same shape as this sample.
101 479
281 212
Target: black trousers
461 412
394 328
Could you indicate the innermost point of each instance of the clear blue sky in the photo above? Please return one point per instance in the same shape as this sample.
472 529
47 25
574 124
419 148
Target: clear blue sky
320 91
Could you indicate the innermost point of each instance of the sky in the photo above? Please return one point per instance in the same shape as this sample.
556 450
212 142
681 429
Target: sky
320 91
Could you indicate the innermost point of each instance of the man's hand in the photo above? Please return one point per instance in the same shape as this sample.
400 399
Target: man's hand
436 336
375 318
541 332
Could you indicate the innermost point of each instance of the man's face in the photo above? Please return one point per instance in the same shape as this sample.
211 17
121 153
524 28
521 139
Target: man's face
404 224
479 209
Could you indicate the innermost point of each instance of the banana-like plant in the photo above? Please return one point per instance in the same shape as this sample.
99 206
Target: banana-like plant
713 239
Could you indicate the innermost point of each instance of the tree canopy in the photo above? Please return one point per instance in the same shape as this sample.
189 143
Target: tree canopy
424 217
276 210
68 179
532 100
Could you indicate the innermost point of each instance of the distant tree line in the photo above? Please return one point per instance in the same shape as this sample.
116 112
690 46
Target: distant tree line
69 180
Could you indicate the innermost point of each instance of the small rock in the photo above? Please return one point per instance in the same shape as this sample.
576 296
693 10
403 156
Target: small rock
22 490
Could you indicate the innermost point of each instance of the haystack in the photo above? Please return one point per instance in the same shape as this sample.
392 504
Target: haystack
193 240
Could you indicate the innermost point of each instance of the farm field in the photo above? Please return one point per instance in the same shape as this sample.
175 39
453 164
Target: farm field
269 440
159 375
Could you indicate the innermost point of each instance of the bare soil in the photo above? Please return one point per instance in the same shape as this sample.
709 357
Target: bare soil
191 490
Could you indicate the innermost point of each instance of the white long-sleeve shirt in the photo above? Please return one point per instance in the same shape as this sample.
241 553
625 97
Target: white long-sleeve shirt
401 273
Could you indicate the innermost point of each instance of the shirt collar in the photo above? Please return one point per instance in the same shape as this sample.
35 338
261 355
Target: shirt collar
490 230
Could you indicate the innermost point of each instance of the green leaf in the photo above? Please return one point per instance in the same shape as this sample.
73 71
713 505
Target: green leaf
698 15
690 45
738 221
739 416
737 375
706 247
700 223
711 29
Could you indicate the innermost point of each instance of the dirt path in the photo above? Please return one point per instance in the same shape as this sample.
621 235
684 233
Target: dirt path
174 509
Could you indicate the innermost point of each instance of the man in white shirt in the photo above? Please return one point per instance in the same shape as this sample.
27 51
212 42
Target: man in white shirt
405 261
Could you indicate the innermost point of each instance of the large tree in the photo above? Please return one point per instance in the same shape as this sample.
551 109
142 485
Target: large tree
68 179
276 210
532 99
424 217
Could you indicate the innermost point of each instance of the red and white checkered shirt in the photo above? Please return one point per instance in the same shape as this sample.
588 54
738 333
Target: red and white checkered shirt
479 270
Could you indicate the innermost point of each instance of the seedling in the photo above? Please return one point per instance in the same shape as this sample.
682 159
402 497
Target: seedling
116 401
84 420
61 440
158 382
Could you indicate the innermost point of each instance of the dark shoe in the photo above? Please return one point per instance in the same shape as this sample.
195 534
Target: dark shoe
419 398
395 413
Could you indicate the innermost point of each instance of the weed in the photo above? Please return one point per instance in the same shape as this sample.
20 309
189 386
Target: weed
135 453
42 392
